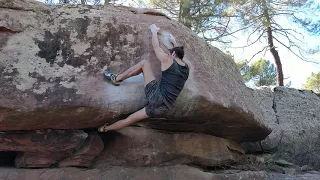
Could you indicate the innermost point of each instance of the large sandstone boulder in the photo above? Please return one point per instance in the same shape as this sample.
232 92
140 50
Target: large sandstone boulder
136 146
52 60
294 118
43 148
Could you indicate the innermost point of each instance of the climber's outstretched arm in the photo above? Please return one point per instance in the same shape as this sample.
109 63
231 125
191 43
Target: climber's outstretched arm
161 55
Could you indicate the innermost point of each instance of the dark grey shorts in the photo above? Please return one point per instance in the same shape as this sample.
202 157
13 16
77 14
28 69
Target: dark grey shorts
155 106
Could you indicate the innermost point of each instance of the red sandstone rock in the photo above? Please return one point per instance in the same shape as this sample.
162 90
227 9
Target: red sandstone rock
52 60
41 148
86 154
134 146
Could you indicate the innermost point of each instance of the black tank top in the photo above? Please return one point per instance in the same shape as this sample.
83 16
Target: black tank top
172 82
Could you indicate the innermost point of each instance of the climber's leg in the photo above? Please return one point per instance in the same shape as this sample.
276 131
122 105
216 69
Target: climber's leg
142 67
137 116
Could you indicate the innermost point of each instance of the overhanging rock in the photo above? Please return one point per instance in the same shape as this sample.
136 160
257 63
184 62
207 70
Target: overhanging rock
52 60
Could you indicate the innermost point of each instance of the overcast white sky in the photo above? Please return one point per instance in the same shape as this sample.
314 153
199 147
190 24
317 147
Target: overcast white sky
294 69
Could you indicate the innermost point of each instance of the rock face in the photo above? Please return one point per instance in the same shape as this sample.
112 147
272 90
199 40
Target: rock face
142 147
132 146
84 156
120 173
52 60
308 176
142 173
294 118
43 148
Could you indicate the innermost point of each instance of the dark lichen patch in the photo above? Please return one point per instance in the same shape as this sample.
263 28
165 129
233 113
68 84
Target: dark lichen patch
113 35
49 47
114 20
57 95
1 72
114 40
63 21
83 11
54 80
37 76
4 36
6 82
7 77
12 73
72 79
81 26
53 43
75 61
96 21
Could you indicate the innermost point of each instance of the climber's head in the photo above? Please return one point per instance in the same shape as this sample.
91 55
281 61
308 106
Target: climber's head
177 52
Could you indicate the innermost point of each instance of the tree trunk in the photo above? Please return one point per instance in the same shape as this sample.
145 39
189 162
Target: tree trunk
64 1
83 2
106 2
180 11
185 14
273 50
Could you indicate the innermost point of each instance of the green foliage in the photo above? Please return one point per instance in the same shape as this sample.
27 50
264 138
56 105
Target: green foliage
244 69
310 21
261 72
255 16
262 18
313 82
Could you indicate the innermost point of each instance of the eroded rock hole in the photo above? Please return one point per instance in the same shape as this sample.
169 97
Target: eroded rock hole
7 158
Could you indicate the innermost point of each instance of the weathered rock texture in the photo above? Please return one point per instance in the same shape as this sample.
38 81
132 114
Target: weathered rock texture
294 116
307 176
142 173
121 173
42 148
142 147
84 156
52 60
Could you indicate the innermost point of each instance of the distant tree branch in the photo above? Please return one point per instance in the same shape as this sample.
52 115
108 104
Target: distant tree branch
239 30
286 34
299 56
263 49
252 42
254 31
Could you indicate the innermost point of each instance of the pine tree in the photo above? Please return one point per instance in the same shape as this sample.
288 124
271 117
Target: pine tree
313 82
261 17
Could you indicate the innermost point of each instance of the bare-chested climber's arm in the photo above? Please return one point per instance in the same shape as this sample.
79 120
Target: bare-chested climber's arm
161 55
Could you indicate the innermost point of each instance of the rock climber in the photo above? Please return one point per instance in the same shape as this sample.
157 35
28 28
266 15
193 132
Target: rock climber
161 94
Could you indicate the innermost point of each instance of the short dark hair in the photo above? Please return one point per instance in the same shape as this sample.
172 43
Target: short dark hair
178 50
